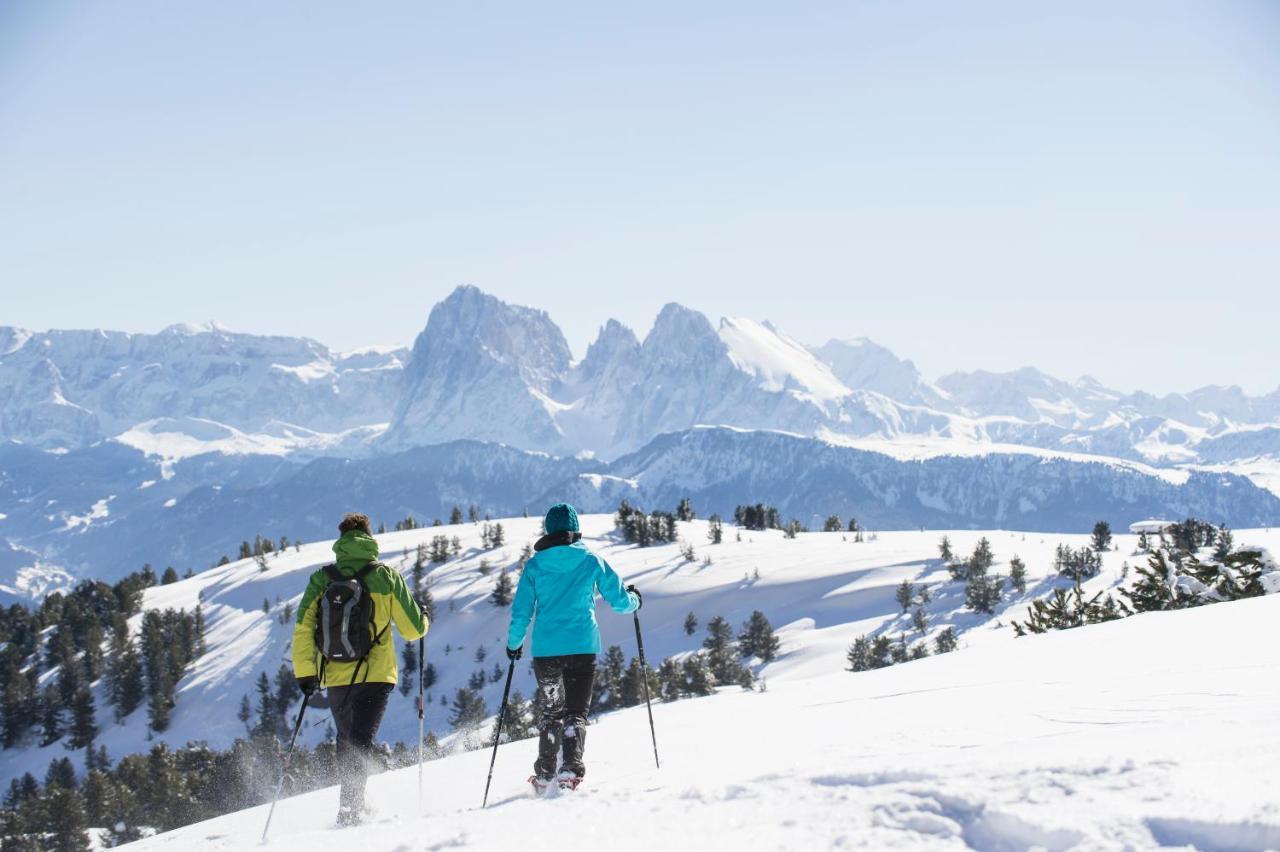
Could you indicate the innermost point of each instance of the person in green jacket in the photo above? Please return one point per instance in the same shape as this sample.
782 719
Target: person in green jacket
358 691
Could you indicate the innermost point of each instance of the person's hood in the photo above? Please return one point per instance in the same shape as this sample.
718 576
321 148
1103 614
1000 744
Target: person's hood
355 549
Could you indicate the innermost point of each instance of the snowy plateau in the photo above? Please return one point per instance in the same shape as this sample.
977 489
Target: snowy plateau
170 448
1155 731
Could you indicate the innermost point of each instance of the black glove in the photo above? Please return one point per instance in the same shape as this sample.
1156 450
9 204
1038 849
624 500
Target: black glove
308 685
639 597
515 653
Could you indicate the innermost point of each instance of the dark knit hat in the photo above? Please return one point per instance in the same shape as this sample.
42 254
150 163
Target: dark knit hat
560 518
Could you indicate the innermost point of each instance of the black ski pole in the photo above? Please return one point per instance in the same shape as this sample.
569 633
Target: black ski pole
422 712
644 674
297 726
497 732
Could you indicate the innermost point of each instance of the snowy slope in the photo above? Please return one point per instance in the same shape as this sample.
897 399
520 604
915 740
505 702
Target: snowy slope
820 590
1130 735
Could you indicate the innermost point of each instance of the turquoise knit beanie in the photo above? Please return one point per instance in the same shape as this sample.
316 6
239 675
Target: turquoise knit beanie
560 518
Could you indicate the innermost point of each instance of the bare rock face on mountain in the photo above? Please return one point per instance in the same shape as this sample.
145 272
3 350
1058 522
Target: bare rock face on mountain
483 370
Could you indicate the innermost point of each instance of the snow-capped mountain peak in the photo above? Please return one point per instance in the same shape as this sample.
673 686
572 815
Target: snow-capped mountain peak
779 362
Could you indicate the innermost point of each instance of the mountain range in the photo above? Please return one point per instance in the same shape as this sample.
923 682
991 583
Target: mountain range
172 447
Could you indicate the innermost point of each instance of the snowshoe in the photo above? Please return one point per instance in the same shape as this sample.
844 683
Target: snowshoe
541 785
568 781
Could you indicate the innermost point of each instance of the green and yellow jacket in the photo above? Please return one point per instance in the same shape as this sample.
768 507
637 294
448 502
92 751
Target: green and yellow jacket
391 602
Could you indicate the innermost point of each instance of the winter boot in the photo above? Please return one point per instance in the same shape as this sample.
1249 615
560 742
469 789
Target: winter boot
568 780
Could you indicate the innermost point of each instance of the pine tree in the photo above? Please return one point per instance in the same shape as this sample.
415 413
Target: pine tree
84 726
946 641
1063 610
757 639
859 655
878 655
468 710
853 526
833 524
1144 543
286 693
699 678
266 707
721 655
684 510
899 652
982 593
409 667
1018 575
669 680
169 576
690 624
919 620
60 774
633 683
1101 536
905 594
1222 549
503 590
610 675
159 702
68 822
1156 588
50 716
455 516
246 711
944 549
715 529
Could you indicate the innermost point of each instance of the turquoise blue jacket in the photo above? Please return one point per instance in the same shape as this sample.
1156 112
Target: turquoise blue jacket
559 585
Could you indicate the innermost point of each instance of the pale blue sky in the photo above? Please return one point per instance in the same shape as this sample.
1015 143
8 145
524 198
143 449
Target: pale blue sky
1088 188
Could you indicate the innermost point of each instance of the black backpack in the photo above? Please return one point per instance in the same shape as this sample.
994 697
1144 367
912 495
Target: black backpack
344 617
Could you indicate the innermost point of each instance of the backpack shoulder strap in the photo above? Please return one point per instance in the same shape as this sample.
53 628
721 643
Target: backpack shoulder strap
367 570
331 571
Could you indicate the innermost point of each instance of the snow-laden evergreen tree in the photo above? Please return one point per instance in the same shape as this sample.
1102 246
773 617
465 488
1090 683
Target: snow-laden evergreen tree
670 680
878 655
1063 610
833 524
699 678
920 620
690 624
898 651
944 550
1018 575
1225 542
757 639
1101 536
610 672
945 642
905 594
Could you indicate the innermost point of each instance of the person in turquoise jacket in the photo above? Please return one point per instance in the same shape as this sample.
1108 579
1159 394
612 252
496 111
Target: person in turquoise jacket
557 591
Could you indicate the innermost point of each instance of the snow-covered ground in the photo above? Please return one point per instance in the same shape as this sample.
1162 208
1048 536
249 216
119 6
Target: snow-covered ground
1156 731
1158 728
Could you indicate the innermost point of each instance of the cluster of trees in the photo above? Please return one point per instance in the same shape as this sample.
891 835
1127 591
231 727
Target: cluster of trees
262 546
655 528
881 651
81 637
163 789
1077 564
757 517
834 524
982 590
492 536
1172 579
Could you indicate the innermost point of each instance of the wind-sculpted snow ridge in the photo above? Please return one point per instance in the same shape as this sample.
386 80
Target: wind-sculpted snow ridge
1134 734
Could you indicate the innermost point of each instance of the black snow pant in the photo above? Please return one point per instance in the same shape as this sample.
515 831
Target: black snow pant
357 713
564 698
